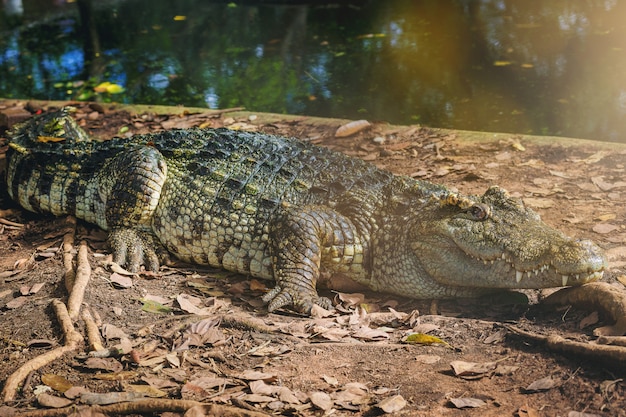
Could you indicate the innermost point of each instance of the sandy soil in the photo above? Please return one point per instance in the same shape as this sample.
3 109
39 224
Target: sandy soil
201 334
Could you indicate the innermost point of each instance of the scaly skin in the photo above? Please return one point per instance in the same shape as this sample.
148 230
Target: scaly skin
279 208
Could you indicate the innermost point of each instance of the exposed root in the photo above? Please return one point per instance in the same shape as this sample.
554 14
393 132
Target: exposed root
615 355
148 406
68 257
93 333
83 273
72 340
611 300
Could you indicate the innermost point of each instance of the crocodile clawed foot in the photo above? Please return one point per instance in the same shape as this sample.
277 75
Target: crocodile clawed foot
302 303
133 248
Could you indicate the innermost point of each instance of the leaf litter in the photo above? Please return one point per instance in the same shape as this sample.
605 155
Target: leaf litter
205 336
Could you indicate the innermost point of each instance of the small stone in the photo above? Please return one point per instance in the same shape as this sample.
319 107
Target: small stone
379 140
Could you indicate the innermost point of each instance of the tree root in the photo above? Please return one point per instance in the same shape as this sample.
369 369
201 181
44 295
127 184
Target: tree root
93 333
68 258
599 295
73 339
615 355
148 406
83 273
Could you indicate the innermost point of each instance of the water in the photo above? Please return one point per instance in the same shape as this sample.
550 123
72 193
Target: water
546 68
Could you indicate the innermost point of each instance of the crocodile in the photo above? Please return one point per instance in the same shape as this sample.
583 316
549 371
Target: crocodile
284 209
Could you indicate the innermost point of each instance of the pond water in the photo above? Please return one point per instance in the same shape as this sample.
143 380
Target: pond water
549 68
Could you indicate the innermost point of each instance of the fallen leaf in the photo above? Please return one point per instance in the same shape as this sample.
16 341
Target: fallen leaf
17 302
56 382
52 401
392 404
424 339
350 299
467 402
260 387
367 333
605 217
472 370
103 364
121 281
604 228
150 306
542 384
333 382
110 331
321 400
251 375
596 157
428 359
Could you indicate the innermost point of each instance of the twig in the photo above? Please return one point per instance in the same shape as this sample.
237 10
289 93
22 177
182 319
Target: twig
83 273
72 340
10 223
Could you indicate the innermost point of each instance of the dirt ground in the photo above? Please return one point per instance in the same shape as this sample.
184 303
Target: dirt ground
193 333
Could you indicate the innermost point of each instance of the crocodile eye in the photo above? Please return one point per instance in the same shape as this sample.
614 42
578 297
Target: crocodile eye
480 211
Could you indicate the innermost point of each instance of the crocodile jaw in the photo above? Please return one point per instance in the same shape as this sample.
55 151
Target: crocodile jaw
506 246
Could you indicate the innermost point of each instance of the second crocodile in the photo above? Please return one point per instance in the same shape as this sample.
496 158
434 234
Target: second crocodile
280 208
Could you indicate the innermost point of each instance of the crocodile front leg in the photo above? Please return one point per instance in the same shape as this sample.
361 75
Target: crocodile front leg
134 180
304 241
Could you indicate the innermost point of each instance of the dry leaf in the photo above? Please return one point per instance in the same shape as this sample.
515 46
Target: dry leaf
17 302
52 401
321 400
350 299
472 370
604 228
56 382
467 402
251 375
110 331
121 281
392 404
260 387
103 364
367 333
427 359
542 384
333 382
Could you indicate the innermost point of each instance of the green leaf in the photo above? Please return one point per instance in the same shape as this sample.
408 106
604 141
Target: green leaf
150 306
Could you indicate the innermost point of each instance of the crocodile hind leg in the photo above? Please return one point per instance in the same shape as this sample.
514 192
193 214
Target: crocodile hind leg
304 241
134 180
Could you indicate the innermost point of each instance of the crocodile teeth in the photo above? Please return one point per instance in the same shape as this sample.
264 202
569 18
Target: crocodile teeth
564 278
518 276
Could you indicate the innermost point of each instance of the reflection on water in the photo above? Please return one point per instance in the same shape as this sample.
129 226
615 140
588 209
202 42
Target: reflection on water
555 67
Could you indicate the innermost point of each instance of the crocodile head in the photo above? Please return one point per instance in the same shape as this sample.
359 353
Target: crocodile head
464 243
47 129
